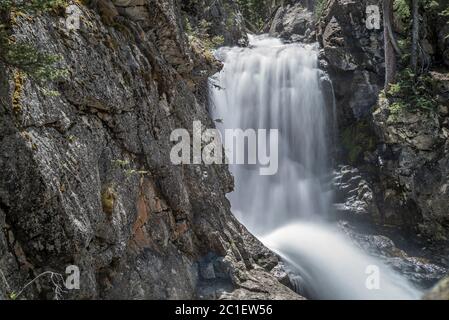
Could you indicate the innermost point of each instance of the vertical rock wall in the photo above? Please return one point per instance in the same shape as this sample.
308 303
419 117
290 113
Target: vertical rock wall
86 178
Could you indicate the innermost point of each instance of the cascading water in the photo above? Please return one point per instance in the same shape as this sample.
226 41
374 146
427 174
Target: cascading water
272 85
276 86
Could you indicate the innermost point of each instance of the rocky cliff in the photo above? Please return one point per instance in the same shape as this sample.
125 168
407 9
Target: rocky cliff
396 154
86 178
293 22
403 151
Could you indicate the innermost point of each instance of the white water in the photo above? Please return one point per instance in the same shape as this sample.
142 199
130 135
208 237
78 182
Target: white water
275 86
332 268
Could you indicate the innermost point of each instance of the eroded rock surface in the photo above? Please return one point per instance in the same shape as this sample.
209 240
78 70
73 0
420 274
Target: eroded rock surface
414 167
86 174
293 23
353 56
398 157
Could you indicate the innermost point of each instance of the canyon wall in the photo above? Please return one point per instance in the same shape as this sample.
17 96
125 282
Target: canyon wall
398 158
86 177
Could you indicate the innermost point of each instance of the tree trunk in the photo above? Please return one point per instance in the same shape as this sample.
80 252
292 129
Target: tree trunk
415 35
389 42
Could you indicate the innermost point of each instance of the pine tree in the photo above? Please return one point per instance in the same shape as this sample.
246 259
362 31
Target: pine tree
390 43
21 55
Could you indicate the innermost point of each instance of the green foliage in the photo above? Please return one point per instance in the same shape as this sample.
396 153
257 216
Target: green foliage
256 12
202 33
31 6
431 4
411 92
402 9
217 41
445 12
320 5
39 65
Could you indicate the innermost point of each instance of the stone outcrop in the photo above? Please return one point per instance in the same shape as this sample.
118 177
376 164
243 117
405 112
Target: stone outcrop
402 156
293 23
414 163
86 174
354 196
396 161
353 56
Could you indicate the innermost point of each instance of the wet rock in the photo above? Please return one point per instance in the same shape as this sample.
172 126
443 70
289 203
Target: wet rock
418 270
354 195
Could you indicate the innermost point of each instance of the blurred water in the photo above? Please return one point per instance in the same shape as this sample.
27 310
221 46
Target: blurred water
331 267
272 85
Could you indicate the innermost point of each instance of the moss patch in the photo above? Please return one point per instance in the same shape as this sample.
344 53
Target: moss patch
358 139
19 80
412 93
108 197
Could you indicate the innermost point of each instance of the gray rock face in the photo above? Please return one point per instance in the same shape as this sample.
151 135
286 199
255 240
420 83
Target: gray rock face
443 43
86 174
293 23
414 171
355 198
354 57
405 177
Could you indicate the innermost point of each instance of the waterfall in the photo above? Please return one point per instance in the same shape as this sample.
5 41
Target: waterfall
276 86
271 85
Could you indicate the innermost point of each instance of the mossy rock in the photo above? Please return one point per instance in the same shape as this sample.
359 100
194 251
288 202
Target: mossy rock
108 197
358 139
